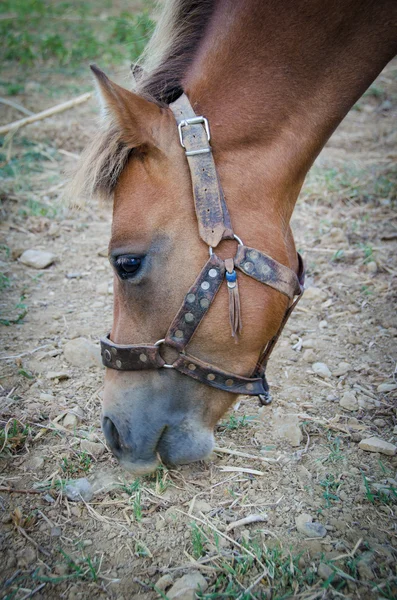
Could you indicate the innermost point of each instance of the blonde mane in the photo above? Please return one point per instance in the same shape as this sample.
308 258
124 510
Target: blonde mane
179 30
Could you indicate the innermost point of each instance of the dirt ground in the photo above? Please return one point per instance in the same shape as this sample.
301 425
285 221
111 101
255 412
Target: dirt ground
304 448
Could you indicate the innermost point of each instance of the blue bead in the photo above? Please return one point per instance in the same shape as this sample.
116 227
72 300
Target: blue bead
231 276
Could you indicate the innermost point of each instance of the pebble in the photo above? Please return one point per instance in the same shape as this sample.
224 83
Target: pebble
309 355
386 387
164 582
102 288
349 401
37 259
79 489
323 324
74 275
56 532
286 426
80 352
315 294
304 524
47 397
372 267
70 421
202 506
185 588
321 369
343 369
375 444
325 571
26 556
93 448
60 375
309 343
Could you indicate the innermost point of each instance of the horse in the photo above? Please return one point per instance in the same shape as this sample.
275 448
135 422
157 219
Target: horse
255 88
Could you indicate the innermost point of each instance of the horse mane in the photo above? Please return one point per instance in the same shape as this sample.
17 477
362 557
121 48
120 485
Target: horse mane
169 53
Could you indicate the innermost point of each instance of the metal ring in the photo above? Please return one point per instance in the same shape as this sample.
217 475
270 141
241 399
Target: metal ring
238 240
164 366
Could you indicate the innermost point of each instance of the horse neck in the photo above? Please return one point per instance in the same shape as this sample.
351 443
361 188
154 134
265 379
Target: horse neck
276 78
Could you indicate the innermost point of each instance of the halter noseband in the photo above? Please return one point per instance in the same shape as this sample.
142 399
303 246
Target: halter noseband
214 225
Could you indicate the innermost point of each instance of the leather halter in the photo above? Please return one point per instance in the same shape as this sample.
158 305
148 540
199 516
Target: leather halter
214 226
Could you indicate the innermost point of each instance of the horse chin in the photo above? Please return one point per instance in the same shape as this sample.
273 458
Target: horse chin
139 468
185 444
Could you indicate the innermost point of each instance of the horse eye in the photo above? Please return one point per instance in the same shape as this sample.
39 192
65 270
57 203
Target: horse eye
127 266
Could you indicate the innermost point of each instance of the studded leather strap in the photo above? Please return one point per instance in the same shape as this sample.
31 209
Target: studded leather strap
196 303
265 269
211 211
130 358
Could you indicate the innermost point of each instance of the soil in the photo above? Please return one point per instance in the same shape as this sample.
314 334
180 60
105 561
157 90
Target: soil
305 446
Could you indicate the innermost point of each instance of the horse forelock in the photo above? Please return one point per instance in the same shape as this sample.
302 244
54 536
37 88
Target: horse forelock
177 35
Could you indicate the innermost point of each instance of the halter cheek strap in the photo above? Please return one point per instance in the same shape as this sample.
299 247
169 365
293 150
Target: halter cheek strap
214 225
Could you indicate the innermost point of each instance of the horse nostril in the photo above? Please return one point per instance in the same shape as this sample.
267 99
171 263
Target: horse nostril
111 434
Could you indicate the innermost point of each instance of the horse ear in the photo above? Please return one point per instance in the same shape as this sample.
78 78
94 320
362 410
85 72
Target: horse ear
133 115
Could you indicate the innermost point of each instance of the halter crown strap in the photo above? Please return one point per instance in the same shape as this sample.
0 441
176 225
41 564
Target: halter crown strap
211 211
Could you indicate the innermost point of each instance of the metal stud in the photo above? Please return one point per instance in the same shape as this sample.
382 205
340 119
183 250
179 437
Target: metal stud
118 364
253 254
204 303
114 351
249 266
143 357
249 387
189 317
265 269
205 285
229 382
191 367
212 273
107 356
210 377
191 298
179 333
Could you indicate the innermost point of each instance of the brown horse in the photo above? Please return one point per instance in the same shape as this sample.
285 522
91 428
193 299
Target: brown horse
274 79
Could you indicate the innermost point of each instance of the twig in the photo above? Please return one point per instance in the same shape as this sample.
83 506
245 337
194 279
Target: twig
349 554
25 353
17 106
246 521
208 524
11 579
35 544
253 584
13 491
244 455
45 113
33 592
241 470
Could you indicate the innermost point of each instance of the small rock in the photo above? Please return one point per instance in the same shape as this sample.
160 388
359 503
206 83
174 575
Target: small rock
321 370
286 426
323 324
74 275
164 582
309 343
103 252
304 524
60 375
309 355
343 369
70 421
375 444
202 506
48 499
386 387
364 566
315 294
80 352
372 267
37 259
104 288
325 571
56 532
185 588
93 448
349 401
380 422
79 489
25 557
47 397
395 429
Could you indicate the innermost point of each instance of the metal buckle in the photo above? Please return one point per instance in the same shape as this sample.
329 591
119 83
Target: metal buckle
165 366
194 121
238 240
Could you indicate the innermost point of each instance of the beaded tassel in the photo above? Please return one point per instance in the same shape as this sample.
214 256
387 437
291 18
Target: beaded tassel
234 299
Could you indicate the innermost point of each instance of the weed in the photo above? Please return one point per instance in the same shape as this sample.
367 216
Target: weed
198 540
131 488
37 209
330 485
335 454
78 464
84 568
234 422
20 306
4 282
380 493
21 521
137 507
13 437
